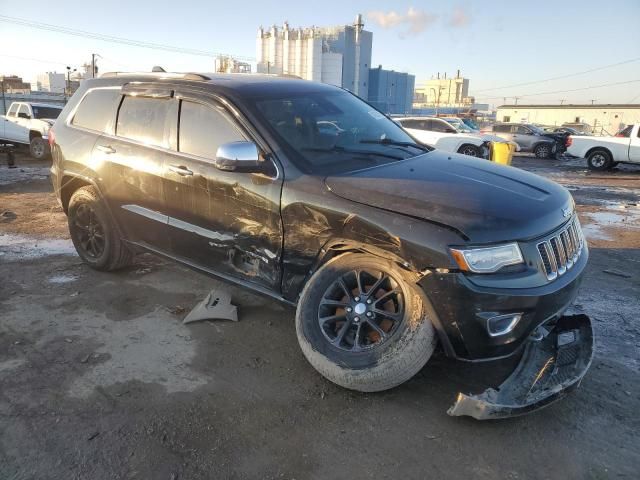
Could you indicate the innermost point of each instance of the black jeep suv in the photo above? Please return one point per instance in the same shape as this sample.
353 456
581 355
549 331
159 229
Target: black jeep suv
303 192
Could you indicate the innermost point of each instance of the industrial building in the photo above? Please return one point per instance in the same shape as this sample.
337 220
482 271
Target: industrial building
13 84
337 55
390 91
601 119
228 64
445 92
50 82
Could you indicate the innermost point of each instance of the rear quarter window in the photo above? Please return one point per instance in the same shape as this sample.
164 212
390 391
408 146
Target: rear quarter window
97 110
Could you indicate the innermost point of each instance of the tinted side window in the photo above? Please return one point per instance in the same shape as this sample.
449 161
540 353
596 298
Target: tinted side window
147 120
519 129
426 125
501 128
24 110
440 126
13 110
97 110
203 129
409 123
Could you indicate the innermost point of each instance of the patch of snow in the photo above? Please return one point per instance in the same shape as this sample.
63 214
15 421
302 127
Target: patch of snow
23 174
9 365
22 247
62 278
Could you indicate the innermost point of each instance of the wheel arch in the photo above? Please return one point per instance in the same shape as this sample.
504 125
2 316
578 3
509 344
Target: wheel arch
72 181
338 247
33 134
599 148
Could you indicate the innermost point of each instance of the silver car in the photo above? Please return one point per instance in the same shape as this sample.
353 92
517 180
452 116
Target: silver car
529 138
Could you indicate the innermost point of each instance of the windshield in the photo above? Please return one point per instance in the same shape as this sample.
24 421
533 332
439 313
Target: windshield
536 129
459 125
470 123
45 112
334 131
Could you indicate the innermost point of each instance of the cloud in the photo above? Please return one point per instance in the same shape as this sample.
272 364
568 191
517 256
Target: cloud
459 18
413 22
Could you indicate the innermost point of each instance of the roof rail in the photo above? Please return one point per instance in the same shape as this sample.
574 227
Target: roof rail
185 76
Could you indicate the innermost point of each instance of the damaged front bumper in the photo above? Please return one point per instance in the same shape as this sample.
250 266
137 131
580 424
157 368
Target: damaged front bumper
554 362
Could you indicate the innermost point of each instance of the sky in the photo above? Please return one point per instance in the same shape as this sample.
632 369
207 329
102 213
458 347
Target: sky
495 43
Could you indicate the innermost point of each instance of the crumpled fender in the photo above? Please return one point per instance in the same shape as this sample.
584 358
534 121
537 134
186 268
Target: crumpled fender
553 364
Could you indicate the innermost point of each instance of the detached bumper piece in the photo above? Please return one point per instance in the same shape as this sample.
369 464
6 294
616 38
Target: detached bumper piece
553 364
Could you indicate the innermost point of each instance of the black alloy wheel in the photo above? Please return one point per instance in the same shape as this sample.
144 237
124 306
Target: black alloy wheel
89 232
361 310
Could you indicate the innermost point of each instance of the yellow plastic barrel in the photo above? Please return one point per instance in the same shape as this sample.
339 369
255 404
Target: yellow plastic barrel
501 152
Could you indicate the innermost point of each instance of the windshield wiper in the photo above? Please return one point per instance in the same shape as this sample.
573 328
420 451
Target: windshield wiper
386 141
338 148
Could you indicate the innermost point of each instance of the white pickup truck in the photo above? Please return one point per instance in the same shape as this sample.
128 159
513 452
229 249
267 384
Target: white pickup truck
28 123
603 153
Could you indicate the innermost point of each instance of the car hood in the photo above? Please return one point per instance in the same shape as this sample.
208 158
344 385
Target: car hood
483 201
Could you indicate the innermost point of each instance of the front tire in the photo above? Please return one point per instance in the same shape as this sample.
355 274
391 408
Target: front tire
470 150
599 160
94 234
543 150
38 148
362 325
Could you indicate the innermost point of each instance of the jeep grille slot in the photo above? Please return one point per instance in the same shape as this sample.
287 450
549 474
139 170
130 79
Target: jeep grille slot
560 252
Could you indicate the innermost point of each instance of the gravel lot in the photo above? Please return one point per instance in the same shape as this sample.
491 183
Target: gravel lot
99 379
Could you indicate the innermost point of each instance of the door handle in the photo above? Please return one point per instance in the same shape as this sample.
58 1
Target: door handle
108 149
180 170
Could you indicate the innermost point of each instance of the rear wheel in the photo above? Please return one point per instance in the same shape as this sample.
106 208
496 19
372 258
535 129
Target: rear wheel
470 150
543 150
362 325
94 234
38 147
599 160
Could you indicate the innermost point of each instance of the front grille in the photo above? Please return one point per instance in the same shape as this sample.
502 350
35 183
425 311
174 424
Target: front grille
560 252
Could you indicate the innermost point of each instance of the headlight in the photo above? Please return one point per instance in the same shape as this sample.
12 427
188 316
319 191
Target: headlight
487 259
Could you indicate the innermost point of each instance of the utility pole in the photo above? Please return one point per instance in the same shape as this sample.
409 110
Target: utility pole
4 101
516 100
93 65
68 89
562 101
593 101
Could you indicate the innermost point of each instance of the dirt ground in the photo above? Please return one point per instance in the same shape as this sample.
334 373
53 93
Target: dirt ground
99 379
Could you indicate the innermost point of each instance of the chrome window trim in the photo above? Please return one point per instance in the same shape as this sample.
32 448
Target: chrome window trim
177 96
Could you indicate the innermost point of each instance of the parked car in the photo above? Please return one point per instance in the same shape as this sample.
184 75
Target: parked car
440 134
584 128
385 246
530 138
603 153
28 124
565 130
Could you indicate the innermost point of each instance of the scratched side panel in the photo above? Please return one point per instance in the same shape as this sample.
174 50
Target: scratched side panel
228 222
314 218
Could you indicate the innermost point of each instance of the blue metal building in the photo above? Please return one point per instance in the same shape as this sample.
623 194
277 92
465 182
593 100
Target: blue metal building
390 91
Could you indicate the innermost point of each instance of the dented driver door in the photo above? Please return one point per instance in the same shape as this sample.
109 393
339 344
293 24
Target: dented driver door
226 222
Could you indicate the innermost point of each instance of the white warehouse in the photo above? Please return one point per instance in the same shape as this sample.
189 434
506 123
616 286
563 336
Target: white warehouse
605 119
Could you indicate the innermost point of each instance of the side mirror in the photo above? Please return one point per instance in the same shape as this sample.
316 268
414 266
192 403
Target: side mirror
24 115
239 157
